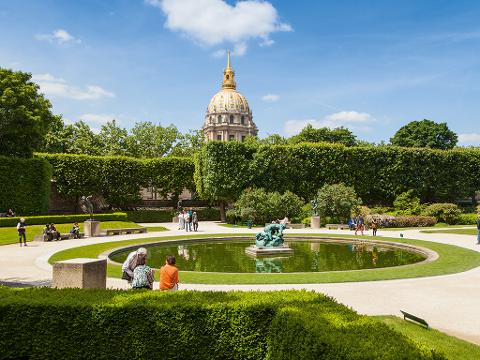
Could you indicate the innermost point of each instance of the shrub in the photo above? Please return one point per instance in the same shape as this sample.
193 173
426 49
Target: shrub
263 207
407 203
25 185
444 212
62 219
466 219
390 221
337 202
78 324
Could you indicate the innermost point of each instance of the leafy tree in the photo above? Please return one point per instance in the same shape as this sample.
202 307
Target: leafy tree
337 201
55 140
274 139
339 135
149 140
188 143
113 139
407 203
425 133
25 114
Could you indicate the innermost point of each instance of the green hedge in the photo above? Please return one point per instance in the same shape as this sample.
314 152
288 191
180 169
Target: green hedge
119 179
378 174
151 216
62 219
74 324
24 185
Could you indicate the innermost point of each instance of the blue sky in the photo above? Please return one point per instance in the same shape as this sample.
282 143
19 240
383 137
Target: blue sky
371 66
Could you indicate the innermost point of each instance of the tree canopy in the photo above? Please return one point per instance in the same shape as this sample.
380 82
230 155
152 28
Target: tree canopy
425 133
338 135
25 114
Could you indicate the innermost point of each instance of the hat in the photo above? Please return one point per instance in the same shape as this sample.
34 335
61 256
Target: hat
142 250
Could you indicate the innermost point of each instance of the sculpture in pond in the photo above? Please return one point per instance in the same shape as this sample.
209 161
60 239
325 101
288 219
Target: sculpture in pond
271 236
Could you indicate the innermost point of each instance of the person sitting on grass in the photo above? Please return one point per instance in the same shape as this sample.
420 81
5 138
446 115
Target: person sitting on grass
142 275
21 228
75 232
169 275
132 261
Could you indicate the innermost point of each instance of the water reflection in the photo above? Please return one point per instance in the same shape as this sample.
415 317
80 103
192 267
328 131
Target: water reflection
229 256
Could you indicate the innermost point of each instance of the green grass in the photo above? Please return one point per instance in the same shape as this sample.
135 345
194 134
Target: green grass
439 225
472 231
452 259
9 235
451 346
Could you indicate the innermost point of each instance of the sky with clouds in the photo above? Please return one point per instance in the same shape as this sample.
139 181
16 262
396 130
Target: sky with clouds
371 66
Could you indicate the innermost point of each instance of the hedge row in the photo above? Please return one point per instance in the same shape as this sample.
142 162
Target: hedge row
150 216
119 179
378 174
24 185
62 219
113 324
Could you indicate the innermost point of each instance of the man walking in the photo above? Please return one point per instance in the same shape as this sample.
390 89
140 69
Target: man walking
478 230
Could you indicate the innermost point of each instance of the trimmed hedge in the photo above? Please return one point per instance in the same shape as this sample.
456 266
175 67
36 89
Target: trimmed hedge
378 174
62 219
101 324
25 185
119 179
153 216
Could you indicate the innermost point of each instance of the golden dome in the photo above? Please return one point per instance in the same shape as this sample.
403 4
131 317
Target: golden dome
228 101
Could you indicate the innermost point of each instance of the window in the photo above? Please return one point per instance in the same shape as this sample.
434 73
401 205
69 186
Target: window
231 119
219 119
231 137
219 137
243 138
243 120
228 77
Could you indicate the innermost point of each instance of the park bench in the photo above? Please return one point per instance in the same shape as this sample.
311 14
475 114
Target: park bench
67 236
126 231
338 226
414 318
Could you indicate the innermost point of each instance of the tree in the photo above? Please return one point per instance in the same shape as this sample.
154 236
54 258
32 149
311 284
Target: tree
188 143
338 135
407 203
25 114
113 139
425 133
149 140
81 139
337 201
55 140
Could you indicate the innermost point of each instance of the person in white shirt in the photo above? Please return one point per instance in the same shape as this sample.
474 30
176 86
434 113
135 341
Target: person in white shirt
21 228
132 261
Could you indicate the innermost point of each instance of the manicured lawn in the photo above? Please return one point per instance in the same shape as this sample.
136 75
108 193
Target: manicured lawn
452 347
452 259
438 226
9 235
472 231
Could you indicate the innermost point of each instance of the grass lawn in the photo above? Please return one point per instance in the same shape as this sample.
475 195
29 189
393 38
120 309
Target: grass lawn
9 235
452 347
437 226
470 231
452 259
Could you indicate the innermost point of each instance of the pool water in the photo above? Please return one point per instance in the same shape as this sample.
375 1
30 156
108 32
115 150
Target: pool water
309 256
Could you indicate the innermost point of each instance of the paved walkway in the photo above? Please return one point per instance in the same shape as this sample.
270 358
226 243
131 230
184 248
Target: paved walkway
448 303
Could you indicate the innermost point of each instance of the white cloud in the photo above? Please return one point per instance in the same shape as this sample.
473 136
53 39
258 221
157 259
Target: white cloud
97 118
469 139
214 22
59 36
350 119
271 97
52 86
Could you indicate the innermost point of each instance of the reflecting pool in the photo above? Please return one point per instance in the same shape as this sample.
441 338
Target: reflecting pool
310 256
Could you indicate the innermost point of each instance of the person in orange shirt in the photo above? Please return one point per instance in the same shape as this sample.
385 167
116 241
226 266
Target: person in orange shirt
169 275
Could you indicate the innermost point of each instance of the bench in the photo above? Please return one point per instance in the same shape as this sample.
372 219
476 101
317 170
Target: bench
68 236
126 231
295 226
338 226
414 318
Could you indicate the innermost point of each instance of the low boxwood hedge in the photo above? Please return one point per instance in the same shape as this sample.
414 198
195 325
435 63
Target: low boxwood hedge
62 219
46 323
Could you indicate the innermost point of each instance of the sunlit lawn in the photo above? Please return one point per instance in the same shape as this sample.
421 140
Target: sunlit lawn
470 231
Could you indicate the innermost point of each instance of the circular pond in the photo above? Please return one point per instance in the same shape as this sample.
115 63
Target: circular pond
229 256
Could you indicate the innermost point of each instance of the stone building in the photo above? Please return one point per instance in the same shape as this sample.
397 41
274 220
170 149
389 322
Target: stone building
228 115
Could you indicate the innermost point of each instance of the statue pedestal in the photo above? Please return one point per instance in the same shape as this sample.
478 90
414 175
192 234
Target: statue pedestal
315 222
175 219
91 228
275 251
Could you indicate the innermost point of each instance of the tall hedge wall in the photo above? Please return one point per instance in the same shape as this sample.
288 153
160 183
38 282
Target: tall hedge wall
378 174
74 324
117 178
24 185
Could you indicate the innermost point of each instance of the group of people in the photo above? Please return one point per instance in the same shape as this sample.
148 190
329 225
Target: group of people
186 219
10 213
140 276
51 232
358 224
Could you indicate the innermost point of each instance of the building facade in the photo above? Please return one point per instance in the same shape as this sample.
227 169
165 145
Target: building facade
228 116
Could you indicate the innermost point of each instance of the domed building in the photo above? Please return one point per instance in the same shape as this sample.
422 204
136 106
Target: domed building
228 115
